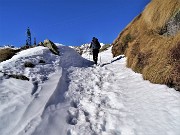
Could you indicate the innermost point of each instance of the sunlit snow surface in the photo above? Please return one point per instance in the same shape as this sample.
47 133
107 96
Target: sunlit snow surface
68 95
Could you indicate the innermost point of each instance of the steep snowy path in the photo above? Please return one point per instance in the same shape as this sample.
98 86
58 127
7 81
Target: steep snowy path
54 117
74 97
113 100
109 100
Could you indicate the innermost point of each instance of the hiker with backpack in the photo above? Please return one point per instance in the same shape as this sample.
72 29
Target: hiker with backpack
95 46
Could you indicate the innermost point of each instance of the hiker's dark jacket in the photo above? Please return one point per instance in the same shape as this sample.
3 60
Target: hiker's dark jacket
95 45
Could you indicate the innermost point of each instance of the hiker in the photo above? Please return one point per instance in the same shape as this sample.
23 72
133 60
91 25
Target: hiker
95 46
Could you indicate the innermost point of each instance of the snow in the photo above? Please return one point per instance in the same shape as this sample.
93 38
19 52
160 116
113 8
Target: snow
7 46
68 95
13 101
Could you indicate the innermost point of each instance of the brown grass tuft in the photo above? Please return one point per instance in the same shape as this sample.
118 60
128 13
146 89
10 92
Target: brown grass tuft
174 61
174 54
7 53
142 60
104 47
134 50
158 12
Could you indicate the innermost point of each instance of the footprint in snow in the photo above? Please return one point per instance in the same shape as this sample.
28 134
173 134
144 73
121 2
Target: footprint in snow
72 116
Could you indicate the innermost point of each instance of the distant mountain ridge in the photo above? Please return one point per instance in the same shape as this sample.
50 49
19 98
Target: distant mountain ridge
7 46
84 48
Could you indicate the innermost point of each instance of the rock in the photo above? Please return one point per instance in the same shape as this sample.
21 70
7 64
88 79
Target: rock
40 44
29 64
52 47
21 77
173 26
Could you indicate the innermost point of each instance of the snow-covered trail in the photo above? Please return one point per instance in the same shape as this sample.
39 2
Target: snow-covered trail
54 117
110 100
113 100
74 97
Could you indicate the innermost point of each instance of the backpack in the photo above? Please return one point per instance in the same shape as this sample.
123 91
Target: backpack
95 44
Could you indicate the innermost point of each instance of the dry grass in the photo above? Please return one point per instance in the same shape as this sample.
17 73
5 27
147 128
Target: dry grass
25 47
158 12
156 56
7 53
104 47
134 50
174 53
174 60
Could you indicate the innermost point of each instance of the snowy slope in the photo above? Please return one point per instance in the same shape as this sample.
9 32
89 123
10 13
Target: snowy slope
84 49
68 95
17 95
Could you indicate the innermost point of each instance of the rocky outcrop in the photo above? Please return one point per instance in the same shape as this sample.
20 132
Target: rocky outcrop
151 43
172 27
52 47
40 44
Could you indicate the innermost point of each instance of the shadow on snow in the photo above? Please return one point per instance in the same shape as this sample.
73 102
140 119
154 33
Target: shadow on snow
69 58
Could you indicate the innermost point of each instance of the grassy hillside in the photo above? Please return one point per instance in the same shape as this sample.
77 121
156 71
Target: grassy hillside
7 53
151 43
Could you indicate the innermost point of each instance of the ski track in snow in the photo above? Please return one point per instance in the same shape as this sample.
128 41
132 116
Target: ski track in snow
74 97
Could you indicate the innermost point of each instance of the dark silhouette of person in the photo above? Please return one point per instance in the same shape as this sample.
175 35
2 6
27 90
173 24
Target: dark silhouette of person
95 46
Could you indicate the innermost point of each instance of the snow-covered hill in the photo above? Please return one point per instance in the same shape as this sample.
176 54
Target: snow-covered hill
68 95
7 46
85 48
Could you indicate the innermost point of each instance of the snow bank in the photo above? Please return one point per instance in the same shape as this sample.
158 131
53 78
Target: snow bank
15 95
22 102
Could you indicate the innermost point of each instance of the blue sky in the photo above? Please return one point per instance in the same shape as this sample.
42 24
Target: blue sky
70 22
